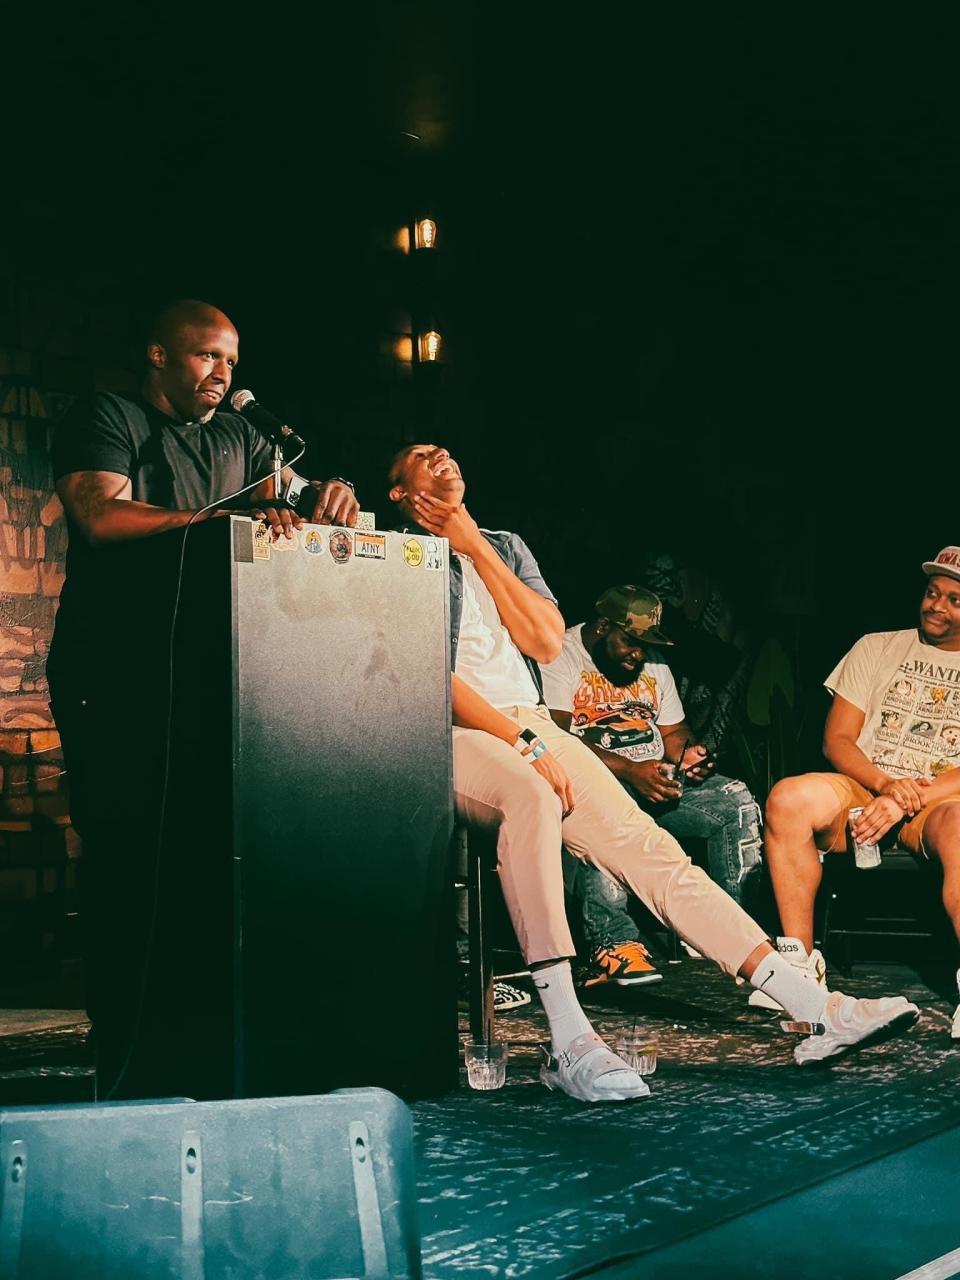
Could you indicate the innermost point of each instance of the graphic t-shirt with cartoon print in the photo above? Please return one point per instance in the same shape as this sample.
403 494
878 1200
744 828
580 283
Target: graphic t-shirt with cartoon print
621 718
909 693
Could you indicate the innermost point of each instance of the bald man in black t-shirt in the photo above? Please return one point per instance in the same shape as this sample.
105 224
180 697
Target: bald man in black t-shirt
127 468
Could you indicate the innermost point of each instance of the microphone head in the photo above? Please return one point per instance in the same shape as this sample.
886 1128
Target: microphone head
240 399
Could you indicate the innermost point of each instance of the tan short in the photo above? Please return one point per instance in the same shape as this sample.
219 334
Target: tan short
850 794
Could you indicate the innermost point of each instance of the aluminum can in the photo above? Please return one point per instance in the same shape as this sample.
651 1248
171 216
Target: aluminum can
866 856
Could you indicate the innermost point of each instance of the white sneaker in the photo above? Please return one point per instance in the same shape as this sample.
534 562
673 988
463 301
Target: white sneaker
812 966
847 1023
955 1028
590 1071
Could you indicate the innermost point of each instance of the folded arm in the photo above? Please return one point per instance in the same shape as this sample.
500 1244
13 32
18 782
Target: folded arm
99 504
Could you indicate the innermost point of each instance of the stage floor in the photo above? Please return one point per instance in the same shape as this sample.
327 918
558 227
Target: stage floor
739 1164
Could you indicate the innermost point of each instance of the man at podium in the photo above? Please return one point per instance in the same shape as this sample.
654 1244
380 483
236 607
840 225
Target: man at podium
129 468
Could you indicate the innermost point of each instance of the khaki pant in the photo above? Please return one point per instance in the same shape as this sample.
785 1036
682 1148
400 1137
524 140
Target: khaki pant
494 786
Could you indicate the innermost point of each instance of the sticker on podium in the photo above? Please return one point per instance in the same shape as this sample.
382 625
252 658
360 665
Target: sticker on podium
341 546
413 552
313 542
434 553
371 546
366 521
283 543
261 542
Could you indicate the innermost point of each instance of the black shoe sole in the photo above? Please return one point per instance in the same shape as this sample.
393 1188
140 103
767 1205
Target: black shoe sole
903 1023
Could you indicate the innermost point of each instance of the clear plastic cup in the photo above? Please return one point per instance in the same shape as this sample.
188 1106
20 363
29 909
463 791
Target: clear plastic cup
486 1063
638 1049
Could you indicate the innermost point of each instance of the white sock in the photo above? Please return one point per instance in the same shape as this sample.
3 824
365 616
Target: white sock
554 983
776 976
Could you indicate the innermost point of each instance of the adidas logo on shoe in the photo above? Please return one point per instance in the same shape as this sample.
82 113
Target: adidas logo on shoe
811 966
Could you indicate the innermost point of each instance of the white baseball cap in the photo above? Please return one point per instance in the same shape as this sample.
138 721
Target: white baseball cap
947 561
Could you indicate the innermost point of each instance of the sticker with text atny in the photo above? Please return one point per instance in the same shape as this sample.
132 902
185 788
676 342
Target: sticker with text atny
341 546
261 542
373 546
434 552
413 552
313 542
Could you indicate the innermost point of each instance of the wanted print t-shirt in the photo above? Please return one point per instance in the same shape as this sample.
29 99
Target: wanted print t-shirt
909 693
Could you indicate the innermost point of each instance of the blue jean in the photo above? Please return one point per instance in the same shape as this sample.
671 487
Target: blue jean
721 811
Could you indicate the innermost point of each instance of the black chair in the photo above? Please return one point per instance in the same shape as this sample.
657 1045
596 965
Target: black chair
489 934
899 901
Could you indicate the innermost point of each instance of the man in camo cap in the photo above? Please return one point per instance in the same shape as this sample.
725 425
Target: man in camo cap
612 687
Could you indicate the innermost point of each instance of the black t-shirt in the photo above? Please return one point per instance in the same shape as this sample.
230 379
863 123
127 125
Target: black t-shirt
173 464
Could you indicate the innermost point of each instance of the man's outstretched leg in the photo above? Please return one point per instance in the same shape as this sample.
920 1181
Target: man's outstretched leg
937 835
495 787
804 815
609 829
615 952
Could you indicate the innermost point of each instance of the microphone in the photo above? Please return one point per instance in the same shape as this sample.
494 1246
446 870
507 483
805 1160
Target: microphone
264 420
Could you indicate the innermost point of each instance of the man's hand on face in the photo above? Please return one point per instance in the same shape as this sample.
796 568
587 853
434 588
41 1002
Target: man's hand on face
648 779
334 503
447 520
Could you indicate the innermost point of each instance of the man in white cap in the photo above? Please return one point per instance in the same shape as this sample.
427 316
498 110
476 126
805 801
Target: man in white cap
893 737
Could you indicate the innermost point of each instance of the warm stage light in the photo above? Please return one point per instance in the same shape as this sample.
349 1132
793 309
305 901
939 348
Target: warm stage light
430 344
426 234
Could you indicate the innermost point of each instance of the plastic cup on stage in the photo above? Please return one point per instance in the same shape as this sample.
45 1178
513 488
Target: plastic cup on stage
638 1049
486 1063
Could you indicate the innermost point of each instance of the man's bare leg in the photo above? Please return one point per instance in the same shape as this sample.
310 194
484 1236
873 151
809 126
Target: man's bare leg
941 838
798 811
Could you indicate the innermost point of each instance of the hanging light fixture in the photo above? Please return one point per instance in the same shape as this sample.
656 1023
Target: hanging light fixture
429 345
425 232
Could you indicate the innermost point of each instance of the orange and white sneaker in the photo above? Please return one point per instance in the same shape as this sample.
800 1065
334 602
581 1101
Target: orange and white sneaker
627 964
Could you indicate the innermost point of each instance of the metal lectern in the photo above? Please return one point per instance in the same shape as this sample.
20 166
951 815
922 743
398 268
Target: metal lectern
301 933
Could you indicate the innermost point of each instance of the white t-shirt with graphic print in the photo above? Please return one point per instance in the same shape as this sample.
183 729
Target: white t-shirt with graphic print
909 693
621 718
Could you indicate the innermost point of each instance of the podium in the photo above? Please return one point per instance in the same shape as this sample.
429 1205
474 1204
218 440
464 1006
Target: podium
299 924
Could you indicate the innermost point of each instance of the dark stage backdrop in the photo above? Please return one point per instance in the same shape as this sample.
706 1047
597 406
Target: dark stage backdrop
696 282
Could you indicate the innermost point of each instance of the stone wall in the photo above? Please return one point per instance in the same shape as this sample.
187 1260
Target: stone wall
53 347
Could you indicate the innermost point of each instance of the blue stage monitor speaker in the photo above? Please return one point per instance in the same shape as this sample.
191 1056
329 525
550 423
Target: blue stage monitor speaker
273 1188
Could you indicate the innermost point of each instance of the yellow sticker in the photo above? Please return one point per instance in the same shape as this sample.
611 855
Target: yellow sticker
261 541
413 552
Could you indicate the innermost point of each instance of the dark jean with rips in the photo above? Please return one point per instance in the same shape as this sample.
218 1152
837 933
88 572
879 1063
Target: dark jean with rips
720 810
